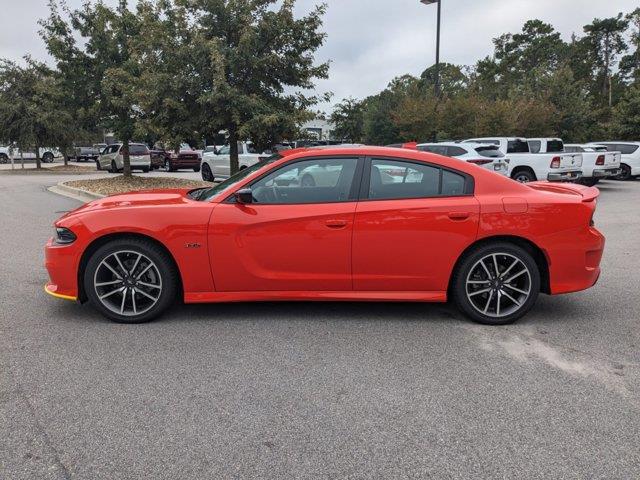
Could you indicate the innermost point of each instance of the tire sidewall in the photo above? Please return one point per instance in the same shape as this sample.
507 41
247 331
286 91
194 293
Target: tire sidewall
459 293
156 254
525 173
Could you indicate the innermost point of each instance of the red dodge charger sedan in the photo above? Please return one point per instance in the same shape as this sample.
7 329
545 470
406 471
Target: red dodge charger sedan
335 224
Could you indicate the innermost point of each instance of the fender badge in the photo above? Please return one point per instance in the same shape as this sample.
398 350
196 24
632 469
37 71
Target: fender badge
192 245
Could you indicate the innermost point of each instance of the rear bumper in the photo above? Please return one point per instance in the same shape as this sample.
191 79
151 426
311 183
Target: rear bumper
575 264
605 172
565 176
185 162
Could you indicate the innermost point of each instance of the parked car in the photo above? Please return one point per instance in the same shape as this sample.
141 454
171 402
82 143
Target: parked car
596 163
525 166
455 230
47 155
630 157
112 158
218 165
170 161
85 154
483 155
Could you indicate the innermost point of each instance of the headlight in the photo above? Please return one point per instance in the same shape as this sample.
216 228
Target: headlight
64 236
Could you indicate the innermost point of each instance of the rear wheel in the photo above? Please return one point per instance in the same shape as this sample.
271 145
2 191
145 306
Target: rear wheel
98 166
114 167
524 176
207 175
130 280
47 157
4 158
589 182
196 169
496 284
625 173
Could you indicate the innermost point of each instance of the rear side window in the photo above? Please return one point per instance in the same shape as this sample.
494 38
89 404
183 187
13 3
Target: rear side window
437 149
627 149
534 146
456 151
489 152
397 179
555 146
518 146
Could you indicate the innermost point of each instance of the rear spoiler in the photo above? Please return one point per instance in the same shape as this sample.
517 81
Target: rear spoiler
588 194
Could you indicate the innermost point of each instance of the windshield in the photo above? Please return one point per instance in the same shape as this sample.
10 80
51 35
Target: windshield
207 194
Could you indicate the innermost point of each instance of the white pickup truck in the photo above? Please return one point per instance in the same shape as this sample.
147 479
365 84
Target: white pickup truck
218 165
597 162
46 154
630 161
525 166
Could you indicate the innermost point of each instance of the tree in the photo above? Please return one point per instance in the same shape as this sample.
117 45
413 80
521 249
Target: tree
30 107
606 41
348 118
104 58
630 63
626 115
251 53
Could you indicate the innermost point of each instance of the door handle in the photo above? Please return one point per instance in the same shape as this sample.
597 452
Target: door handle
336 223
459 215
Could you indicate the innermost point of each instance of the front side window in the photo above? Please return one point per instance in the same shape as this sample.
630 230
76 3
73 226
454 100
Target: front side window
392 180
326 180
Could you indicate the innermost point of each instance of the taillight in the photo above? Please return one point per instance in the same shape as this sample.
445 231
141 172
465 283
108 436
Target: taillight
600 160
480 161
555 162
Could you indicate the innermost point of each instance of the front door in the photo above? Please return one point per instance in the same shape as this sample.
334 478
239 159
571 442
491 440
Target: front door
294 236
412 226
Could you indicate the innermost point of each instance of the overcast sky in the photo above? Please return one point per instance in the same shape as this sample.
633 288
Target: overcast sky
371 41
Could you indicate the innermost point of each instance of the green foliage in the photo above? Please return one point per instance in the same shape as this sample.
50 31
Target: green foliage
348 119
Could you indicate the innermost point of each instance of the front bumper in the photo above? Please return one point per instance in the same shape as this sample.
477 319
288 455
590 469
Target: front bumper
605 172
61 263
571 176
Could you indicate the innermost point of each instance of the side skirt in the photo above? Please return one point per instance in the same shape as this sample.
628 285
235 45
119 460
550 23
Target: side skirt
337 296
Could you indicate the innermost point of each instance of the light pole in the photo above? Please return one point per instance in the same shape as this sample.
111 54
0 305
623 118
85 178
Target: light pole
439 2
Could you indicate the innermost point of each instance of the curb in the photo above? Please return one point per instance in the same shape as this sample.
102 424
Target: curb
75 193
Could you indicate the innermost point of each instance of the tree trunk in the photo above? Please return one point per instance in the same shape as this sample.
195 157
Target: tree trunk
234 161
38 162
126 159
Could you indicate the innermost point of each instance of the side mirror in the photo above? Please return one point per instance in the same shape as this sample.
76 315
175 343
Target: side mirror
244 196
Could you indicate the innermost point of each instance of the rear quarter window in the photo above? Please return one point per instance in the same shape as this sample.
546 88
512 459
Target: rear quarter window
555 146
627 149
489 152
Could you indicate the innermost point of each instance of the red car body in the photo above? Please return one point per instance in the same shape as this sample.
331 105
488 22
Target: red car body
381 250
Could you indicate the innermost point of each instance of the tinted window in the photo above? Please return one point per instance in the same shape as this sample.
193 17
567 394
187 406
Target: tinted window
555 146
455 151
534 146
390 179
138 149
226 150
626 149
324 180
518 146
489 152
573 149
452 183
438 149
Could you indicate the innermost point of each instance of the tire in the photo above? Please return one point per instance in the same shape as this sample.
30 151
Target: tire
524 176
207 175
196 169
98 166
4 158
116 300
307 181
625 173
114 168
589 182
493 306
145 170
47 157
167 166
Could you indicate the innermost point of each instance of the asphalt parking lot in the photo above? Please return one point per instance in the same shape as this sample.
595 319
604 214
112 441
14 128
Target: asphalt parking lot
316 390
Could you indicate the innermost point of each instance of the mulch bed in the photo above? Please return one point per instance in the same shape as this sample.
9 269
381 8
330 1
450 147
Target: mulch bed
56 169
120 184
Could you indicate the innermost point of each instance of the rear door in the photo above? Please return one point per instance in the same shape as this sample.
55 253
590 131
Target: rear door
221 163
411 225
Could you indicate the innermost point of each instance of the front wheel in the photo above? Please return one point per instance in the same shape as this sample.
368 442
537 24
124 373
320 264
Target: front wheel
496 284
130 280
625 173
98 166
4 158
47 157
